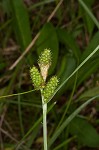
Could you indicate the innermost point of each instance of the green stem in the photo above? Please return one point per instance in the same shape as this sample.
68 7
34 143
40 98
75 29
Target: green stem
44 106
45 125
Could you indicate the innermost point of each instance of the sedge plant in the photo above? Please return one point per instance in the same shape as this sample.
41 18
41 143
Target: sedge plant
47 89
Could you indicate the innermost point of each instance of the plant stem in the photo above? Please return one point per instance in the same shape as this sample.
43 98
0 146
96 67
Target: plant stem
45 125
44 106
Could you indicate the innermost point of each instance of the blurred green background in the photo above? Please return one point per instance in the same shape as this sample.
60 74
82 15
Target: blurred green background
72 34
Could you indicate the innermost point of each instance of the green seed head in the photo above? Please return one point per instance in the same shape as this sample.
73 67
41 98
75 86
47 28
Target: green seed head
36 77
44 63
45 58
50 88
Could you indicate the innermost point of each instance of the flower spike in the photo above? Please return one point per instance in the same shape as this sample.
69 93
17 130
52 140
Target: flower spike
45 62
50 88
36 77
45 58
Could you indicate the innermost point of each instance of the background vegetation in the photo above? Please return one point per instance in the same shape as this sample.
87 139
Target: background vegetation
71 30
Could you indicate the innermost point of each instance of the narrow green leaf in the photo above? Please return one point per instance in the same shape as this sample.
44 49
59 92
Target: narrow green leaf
48 39
62 84
87 20
90 93
69 42
21 24
89 13
93 64
87 70
68 120
62 66
6 96
69 66
92 44
64 143
6 6
39 4
85 132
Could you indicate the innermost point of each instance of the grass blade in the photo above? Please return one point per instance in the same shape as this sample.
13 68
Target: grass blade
21 25
5 96
68 120
89 13
95 50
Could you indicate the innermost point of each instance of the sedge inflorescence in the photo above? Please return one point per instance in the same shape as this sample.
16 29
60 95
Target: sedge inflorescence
45 58
39 77
45 62
36 77
50 88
